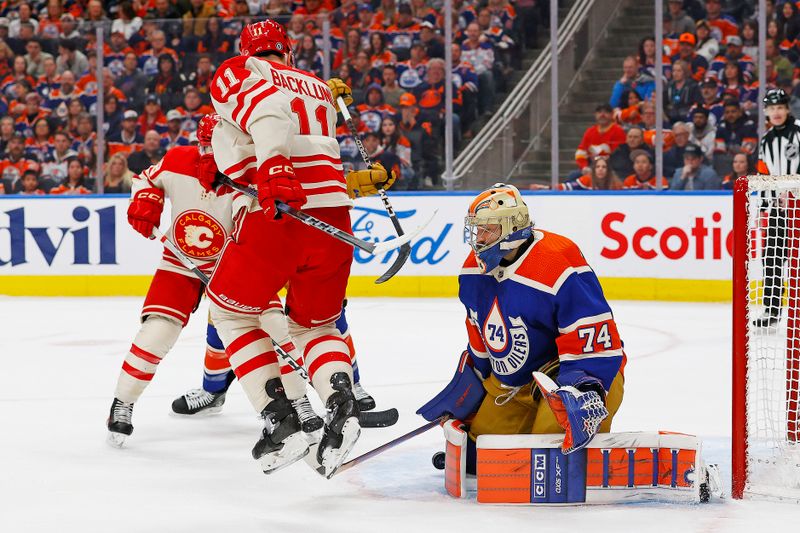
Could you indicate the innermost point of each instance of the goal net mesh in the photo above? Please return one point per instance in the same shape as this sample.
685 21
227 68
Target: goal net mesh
773 343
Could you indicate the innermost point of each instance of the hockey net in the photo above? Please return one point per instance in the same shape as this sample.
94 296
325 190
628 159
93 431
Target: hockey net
766 337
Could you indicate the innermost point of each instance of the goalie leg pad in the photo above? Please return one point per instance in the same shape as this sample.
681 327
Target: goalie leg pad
155 339
613 468
455 462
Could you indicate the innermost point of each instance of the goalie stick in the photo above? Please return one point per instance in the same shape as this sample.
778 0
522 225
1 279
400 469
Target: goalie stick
369 247
391 444
405 250
367 419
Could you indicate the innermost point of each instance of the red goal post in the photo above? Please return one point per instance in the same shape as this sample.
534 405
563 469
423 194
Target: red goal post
766 354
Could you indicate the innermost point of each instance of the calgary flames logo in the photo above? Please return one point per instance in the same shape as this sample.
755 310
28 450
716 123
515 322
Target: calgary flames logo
198 234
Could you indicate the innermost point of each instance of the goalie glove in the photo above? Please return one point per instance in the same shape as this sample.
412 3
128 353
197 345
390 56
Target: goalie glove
579 413
144 211
339 88
361 183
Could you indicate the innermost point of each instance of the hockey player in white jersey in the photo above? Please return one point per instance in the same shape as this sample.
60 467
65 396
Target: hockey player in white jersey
278 133
202 218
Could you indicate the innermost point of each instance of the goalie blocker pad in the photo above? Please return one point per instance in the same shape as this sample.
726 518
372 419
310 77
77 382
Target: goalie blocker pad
613 468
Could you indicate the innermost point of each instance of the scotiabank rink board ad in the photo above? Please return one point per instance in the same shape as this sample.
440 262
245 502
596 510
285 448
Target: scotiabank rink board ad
642 246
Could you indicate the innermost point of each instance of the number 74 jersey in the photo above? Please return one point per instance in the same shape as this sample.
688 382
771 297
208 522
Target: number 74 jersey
277 119
547 305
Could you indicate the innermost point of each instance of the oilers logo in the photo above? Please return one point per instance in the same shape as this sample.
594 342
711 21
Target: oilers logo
507 340
198 234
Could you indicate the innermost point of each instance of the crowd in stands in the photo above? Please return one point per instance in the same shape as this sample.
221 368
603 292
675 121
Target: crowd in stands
159 57
710 104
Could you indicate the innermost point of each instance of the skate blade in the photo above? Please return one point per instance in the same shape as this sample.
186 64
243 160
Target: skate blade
211 411
295 447
116 440
332 459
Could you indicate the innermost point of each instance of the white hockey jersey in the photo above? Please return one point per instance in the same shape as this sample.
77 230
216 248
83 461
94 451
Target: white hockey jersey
201 221
275 116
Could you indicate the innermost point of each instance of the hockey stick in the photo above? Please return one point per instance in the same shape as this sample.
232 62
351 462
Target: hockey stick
333 231
367 419
391 444
405 250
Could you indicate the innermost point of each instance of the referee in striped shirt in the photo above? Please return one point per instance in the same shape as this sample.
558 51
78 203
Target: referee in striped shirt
778 155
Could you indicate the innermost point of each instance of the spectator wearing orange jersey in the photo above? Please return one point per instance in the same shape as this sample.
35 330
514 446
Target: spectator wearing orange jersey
380 54
50 20
31 113
374 110
631 112
128 139
192 109
19 72
722 26
366 20
648 125
314 7
385 14
175 135
697 63
402 34
153 118
599 140
150 59
15 163
75 182
643 177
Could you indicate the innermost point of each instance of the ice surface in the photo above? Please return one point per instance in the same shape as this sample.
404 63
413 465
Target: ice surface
60 360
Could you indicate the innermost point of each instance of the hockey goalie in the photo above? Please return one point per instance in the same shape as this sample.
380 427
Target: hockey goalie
542 376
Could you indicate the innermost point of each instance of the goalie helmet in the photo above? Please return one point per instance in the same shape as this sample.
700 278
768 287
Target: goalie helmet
205 128
264 36
497 222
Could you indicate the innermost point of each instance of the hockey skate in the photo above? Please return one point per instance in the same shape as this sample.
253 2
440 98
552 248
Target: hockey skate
365 401
282 440
310 422
119 422
199 402
342 428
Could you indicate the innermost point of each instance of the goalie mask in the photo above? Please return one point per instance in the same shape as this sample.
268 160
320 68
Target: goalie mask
498 222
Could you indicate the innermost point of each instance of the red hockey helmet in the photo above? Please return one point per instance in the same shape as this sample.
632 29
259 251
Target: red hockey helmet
205 128
264 36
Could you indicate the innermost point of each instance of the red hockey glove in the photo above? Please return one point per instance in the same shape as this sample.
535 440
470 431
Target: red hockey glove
278 183
144 211
207 171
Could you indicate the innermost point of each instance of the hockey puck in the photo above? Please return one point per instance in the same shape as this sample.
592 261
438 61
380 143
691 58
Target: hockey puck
438 460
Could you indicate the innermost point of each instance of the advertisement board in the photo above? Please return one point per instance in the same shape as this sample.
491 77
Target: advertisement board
642 246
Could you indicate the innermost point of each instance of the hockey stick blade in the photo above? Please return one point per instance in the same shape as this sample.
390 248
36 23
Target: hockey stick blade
397 242
391 444
402 257
378 419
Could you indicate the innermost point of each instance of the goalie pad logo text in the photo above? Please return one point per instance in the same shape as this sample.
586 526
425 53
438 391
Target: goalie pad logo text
198 234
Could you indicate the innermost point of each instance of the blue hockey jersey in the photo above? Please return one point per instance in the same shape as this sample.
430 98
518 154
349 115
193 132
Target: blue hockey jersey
548 304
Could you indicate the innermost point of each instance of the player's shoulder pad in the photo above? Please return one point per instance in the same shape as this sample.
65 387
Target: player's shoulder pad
551 260
470 265
233 62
